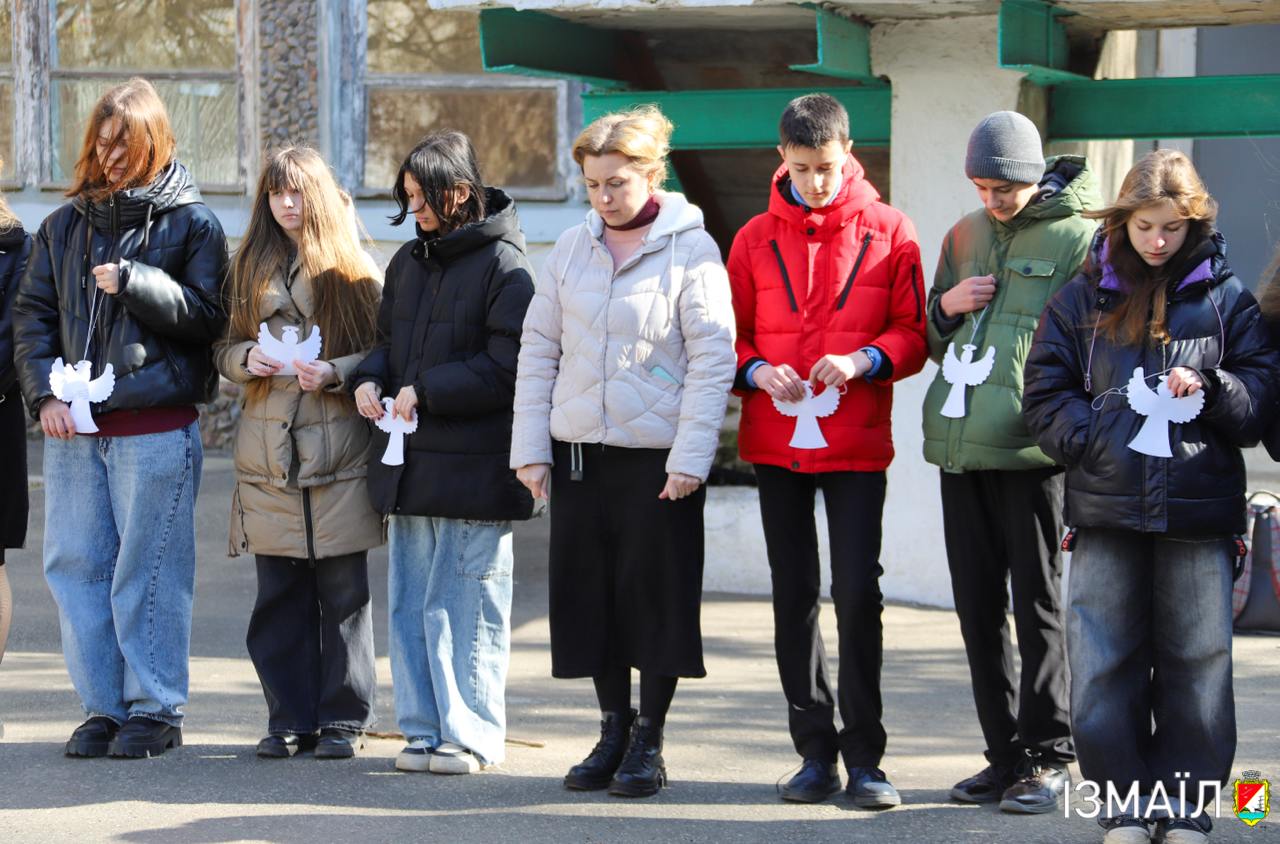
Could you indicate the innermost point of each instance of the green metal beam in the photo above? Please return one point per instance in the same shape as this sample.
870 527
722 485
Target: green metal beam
1031 39
844 48
745 119
538 44
1155 108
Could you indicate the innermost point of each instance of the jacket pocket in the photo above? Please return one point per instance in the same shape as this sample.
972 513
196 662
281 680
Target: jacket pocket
1030 284
481 553
663 376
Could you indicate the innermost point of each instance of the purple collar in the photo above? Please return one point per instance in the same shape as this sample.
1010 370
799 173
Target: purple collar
1110 281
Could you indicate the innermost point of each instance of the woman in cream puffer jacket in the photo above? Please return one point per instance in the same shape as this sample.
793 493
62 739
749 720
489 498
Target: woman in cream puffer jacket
626 361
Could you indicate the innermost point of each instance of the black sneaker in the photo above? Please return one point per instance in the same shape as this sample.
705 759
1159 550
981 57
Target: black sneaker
1038 789
869 788
815 782
986 786
284 745
338 744
92 738
142 738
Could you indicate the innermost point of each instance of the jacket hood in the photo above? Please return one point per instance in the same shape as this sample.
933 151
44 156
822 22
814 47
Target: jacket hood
1204 267
173 188
500 223
855 194
1067 189
675 215
12 238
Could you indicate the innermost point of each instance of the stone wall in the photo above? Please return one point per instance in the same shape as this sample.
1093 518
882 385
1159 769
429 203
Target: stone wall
288 81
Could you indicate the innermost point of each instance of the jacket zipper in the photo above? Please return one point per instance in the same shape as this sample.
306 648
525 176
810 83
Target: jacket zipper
915 291
306 519
786 279
857 264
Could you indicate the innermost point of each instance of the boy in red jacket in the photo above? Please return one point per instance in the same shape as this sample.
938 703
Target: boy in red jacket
829 300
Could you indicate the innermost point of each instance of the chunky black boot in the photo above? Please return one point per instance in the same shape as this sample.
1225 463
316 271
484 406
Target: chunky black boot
143 738
642 771
92 738
595 772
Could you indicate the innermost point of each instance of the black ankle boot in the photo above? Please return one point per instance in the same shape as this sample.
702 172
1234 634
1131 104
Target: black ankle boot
642 771
595 772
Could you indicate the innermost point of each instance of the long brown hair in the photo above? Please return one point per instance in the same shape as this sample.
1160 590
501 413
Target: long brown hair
145 130
342 275
1164 175
8 220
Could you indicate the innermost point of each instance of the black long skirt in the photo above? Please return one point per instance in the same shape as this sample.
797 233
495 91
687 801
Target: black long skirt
13 472
626 566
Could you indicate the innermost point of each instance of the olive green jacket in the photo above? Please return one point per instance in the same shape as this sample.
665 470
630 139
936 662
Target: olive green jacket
1031 256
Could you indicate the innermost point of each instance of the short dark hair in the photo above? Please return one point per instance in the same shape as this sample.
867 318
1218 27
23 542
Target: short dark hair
441 162
813 121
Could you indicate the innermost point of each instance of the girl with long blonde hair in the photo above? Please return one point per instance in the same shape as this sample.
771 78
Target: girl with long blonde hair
1149 373
301 450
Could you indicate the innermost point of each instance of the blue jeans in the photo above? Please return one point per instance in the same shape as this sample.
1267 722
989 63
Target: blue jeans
1149 638
120 556
449 585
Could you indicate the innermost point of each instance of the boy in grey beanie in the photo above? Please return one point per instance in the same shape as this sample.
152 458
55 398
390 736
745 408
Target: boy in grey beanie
1005 146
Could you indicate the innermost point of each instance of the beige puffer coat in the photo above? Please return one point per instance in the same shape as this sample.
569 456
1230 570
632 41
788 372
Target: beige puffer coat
639 358
324 510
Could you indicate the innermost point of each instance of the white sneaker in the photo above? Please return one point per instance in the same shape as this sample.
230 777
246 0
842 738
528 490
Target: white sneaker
1184 835
416 756
1130 834
450 758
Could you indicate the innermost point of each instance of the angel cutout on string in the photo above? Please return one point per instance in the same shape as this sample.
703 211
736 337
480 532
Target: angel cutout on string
289 348
1160 407
963 372
73 385
397 429
806 411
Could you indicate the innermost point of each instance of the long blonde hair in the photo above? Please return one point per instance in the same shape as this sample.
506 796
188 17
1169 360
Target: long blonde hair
8 220
1164 175
342 276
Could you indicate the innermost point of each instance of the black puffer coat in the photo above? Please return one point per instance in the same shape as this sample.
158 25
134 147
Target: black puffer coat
1217 330
15 246
450 322
158 331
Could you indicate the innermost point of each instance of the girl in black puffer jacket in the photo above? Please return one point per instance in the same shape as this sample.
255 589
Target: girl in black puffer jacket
125 284
1149 373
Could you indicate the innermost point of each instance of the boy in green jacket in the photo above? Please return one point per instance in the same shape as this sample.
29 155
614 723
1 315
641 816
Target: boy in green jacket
1001 496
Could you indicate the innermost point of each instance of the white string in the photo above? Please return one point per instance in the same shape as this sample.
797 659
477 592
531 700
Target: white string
94 309
1101 401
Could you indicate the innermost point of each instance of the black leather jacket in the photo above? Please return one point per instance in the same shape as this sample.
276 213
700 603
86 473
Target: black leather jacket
158 331
15 247
1217 330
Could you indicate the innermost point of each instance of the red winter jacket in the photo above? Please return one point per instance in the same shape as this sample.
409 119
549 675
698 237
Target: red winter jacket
852 279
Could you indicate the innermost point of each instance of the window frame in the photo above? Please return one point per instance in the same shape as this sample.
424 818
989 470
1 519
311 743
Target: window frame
37 77
369 81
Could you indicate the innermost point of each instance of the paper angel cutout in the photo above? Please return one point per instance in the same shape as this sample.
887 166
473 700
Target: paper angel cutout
807 433
397 429
288 348
73 385
1160 407
963 372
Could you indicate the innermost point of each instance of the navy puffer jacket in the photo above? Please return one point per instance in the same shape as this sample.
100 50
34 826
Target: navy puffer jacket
1071 406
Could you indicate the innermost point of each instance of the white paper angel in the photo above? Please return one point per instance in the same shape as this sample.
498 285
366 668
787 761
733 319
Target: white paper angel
397 429
1160 407
289 348
961 372
72 384
806 411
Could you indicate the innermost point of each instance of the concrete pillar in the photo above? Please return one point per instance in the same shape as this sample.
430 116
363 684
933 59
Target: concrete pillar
945 79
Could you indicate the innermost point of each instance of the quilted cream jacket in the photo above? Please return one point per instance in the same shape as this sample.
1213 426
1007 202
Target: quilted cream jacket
641 357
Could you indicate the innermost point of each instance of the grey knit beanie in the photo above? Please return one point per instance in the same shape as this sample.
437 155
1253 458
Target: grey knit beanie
1005 145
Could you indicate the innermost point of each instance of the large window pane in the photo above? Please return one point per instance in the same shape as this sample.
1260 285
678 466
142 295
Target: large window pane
6 33
204 116
514 131
6 130
145 34
406 37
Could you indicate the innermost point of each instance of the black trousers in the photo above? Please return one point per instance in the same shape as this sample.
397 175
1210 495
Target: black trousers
1002 528
854 501
311 641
